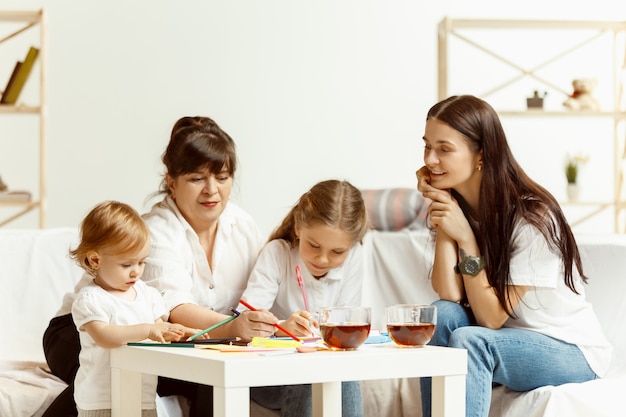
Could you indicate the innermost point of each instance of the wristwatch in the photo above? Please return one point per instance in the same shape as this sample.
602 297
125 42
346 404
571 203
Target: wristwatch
469 265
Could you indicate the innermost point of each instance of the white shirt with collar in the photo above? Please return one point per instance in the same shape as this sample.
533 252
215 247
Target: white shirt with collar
178 267
273 285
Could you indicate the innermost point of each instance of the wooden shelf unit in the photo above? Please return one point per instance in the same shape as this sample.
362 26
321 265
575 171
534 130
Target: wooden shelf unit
28 21
451 28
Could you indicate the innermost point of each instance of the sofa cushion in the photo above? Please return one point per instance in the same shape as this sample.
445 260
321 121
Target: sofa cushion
394 209
35 268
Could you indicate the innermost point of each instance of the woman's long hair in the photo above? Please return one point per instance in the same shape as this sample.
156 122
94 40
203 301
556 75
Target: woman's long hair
507 195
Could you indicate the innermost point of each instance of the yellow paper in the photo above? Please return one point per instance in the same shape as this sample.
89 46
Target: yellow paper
273 343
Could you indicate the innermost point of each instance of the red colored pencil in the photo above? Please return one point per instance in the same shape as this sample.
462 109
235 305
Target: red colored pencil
278 326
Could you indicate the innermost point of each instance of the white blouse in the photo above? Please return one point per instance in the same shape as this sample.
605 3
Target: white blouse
178 266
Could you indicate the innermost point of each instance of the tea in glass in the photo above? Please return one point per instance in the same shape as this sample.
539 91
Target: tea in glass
411 324
345 328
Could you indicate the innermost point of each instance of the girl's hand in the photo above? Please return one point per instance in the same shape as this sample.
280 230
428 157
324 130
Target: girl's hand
298 323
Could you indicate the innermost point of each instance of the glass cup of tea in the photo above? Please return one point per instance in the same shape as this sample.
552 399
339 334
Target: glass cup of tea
345 328
411 325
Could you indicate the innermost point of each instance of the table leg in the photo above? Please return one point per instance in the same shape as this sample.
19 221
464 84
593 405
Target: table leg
125 393
231 402
327 399
448 396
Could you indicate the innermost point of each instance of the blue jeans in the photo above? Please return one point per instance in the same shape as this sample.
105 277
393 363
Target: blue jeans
521 360
296 400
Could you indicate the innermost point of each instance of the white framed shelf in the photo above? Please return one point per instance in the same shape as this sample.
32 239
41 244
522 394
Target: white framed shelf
521 63
20 22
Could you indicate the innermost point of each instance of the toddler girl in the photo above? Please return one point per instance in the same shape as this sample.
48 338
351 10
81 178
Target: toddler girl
116 307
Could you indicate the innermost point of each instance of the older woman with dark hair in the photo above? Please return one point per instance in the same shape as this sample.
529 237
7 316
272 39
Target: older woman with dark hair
507 268
203 246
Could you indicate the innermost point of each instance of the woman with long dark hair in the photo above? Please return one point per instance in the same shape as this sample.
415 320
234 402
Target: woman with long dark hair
507 268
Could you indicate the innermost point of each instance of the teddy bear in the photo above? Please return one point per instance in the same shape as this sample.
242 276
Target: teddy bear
582 98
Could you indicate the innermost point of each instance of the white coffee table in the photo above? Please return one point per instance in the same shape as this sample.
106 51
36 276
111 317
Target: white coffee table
232 374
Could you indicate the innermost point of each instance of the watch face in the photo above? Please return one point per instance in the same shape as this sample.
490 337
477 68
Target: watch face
472 266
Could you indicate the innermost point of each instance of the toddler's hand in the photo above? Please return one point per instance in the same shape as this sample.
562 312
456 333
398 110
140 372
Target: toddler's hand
166 332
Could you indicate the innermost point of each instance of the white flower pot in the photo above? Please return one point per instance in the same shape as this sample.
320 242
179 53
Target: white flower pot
573 193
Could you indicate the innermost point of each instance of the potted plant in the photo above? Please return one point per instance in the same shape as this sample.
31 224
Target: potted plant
572 165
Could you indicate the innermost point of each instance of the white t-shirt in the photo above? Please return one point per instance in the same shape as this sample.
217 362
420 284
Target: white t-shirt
178 266
93 381
273 285
550 307
68 298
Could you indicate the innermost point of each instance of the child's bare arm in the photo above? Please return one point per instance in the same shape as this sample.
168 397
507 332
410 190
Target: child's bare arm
112 336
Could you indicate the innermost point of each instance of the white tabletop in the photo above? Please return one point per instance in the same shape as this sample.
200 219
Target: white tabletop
232 374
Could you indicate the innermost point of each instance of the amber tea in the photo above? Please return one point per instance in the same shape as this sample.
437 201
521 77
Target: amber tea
344 328
411 334
344 336
411 324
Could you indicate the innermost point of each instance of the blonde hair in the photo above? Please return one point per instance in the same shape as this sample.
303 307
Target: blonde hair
112 226
334 203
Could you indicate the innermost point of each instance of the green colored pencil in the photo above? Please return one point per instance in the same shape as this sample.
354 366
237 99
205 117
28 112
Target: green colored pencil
216 325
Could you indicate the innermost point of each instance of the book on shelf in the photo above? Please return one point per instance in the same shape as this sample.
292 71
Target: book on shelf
14 89
18 64
15 196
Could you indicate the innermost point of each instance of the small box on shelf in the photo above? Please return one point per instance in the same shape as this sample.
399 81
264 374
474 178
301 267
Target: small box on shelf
536 101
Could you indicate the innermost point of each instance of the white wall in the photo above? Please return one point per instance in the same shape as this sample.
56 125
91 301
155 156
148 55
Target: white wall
308 90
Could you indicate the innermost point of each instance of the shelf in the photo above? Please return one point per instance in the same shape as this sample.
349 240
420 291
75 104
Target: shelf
572 38
586 203
19 22
21 16
21 108
512 24
561 113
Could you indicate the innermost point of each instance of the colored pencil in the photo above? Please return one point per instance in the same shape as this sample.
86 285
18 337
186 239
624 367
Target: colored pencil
216 325
303 288
278 326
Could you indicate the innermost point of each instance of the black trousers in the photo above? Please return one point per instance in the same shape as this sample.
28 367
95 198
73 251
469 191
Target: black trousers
61 345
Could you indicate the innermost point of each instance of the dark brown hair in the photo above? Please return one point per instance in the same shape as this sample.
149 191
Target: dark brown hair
507 195
334 203
198 143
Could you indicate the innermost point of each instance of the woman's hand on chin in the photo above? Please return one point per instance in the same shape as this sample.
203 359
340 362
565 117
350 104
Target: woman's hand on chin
423 177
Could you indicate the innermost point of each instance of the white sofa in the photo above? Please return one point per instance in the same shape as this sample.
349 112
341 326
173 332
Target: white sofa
35 273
